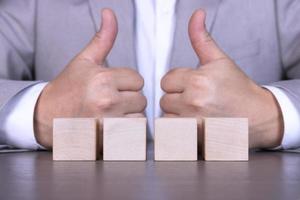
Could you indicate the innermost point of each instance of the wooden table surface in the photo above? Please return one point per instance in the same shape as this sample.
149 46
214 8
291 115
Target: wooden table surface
33 175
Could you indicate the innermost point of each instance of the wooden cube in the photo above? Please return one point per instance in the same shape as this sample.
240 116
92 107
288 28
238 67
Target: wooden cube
124 139
226 139
175 139
74 139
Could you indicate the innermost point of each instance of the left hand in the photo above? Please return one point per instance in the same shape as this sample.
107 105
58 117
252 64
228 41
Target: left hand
219 88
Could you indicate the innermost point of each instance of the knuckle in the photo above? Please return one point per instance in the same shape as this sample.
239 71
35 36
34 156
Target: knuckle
197 103
195 100
104 78
106 102
100 37
139 81
166 80
195 80
199 81
207 38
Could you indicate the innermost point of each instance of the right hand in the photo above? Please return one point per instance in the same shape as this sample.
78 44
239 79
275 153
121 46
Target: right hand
87 88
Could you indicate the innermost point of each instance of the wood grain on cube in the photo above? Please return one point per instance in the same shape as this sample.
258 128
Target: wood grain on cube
175 139
226 139
74 139
124 139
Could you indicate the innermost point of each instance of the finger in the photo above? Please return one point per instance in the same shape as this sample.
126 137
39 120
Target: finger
100 46
127 79
203 44
132 102
135 115
174 81
172 103
170 115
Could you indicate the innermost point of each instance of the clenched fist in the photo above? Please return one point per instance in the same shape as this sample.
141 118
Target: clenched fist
87 88
219 88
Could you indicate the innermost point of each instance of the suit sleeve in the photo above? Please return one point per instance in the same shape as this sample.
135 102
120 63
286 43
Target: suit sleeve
17 33
17 120
288 23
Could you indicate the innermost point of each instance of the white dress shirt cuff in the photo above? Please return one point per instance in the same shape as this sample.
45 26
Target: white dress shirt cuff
291 119
17 118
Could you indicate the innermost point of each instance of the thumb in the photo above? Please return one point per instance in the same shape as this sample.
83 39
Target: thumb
204 45
101 44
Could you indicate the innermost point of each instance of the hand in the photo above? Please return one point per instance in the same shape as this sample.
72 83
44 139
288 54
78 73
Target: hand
220 89
86 88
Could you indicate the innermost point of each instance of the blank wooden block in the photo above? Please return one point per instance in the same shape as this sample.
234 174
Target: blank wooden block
175 139
124 139
74 139
226 139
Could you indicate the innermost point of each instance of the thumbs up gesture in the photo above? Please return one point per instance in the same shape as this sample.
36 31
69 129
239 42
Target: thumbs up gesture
219 88
87 88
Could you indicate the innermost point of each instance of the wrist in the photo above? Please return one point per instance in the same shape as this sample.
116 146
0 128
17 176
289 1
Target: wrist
43 121
266 124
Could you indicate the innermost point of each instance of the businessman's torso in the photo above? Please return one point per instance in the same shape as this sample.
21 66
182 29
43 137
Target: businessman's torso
247 31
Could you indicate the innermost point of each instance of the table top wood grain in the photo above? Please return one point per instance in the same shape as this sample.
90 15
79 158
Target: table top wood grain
33 175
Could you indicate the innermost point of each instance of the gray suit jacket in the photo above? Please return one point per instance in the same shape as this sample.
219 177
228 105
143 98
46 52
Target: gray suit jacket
39 37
